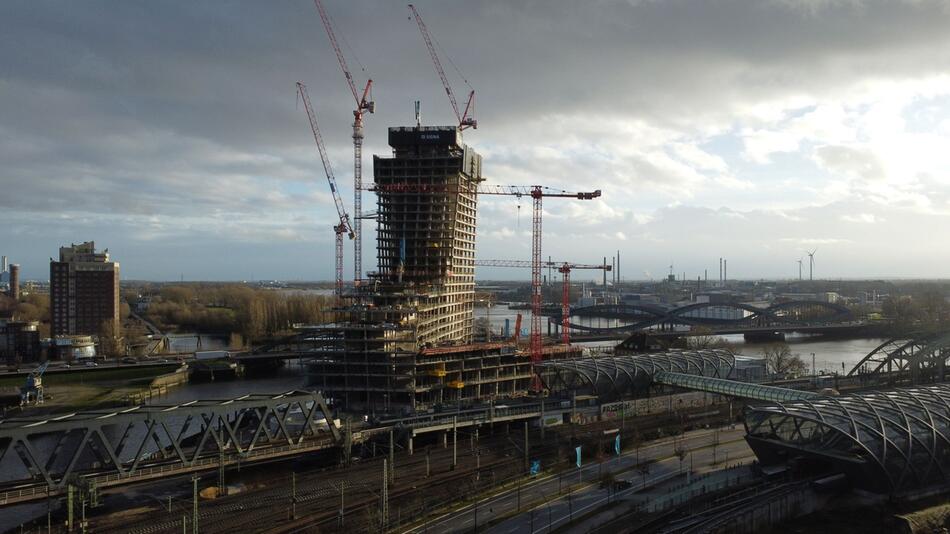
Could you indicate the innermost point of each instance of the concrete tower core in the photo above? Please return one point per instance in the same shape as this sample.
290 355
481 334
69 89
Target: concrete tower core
427 196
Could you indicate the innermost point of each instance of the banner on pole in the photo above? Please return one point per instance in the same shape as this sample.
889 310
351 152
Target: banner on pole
617 445
577 452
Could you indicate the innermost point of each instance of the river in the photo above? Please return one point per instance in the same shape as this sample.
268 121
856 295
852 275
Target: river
830 353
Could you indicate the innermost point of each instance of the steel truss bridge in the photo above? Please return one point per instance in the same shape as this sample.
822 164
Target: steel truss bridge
718 318
115 447
915 358
42 455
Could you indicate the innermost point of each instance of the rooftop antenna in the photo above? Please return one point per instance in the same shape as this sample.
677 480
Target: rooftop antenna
418 114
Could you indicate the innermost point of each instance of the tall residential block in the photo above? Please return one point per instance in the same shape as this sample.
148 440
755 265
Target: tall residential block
3 264
14 282
84 291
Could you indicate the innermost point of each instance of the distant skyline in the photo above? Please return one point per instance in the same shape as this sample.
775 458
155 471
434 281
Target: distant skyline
751 130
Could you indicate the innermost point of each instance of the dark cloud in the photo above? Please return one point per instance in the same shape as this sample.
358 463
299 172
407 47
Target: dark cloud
167 125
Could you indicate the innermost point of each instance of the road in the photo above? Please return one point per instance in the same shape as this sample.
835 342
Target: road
557 512
62 367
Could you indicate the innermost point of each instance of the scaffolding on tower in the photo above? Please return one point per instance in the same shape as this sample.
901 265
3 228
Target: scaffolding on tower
537 193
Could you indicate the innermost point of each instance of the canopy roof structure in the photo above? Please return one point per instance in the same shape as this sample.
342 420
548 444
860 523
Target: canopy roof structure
886 441
609 376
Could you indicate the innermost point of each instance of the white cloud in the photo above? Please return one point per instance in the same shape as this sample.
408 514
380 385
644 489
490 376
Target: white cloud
866 218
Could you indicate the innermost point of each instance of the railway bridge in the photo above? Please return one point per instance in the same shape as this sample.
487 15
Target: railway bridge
43 455
717 318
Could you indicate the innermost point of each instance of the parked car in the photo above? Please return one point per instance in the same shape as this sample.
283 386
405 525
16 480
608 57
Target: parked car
129 359
92 364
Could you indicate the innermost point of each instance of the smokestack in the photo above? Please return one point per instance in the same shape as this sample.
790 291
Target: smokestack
15 282
618 266
613 270
725 271
605 272
720 272
705 278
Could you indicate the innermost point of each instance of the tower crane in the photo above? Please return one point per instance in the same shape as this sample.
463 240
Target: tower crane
565 269
344 227
364 103
537 194
466 117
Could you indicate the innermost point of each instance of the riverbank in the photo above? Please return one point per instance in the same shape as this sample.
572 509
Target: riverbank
87 389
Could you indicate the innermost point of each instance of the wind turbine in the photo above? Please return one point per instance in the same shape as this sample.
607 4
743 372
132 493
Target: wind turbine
811 264
799 269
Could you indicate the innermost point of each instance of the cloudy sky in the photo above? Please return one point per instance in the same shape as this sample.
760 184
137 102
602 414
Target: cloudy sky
169 131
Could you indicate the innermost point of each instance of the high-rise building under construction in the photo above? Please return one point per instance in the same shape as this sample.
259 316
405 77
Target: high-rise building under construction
405 339
426 236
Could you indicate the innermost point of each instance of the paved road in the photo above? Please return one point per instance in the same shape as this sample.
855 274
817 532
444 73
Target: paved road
509 502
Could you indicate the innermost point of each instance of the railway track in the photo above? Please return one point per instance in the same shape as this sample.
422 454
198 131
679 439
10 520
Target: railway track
317 492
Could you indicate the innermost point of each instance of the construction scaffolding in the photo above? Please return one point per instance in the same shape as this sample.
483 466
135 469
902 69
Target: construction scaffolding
406 341
426 235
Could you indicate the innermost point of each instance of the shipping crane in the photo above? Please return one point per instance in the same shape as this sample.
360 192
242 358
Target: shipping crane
344 227
466 117
565 269
32 389
537 194
364 103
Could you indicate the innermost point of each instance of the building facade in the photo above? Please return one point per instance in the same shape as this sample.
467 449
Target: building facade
84 291
14 291
19 341
425 244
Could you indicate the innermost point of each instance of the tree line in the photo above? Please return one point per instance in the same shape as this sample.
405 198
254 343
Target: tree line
254 313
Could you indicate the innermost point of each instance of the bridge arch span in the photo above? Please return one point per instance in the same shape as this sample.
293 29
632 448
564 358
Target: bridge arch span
705 314
919 356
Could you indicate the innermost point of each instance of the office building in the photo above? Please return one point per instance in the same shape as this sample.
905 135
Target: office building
84 291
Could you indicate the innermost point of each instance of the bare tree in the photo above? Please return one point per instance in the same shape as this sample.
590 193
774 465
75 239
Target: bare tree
701 337
780 361
109 338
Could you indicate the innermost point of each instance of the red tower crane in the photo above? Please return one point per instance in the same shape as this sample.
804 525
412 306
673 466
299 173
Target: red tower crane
344 227
537 193
464 119
564 268
364 103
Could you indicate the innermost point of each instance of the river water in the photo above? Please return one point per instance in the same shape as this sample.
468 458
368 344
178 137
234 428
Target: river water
830 354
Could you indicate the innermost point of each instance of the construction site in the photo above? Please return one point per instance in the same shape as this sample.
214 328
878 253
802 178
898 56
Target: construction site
403 340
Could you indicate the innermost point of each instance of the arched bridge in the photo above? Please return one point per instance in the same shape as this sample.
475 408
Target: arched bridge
919 357
719 318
